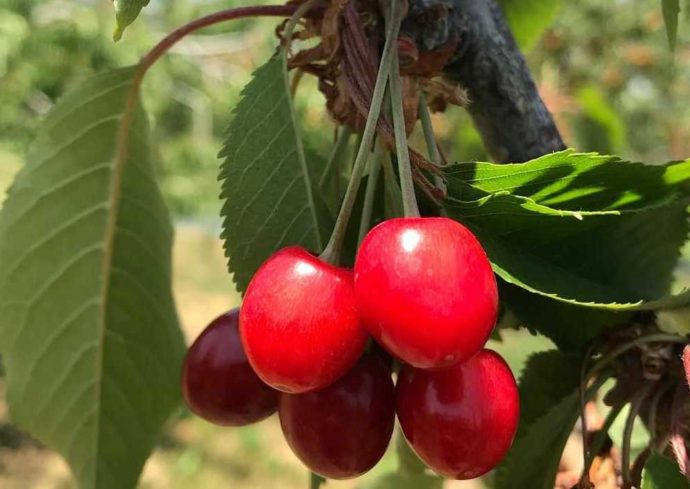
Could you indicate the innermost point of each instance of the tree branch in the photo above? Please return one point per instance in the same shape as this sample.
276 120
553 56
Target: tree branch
504 102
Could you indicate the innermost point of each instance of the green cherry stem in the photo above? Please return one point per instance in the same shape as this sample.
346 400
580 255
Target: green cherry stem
402 150
635 405
600 439
653 410
583 412
368 207
332 251
315 481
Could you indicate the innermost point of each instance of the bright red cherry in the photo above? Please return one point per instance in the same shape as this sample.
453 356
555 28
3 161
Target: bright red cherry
217 382
462 420
342 431
298 323
426 291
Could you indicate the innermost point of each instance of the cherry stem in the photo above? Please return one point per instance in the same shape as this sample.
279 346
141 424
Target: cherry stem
224 15
635 405
332 252
337 154
598 442
584 478
431 143
402 150
315 480
653 409
368 207
169 41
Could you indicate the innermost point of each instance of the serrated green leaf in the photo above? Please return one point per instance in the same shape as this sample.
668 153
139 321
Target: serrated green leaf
671 10
528 19
570 181
549 407
88 329
661 472
126 12
269 201
591 266
584 229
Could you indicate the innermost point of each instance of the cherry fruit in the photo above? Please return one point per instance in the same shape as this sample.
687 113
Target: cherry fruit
462 420
342 431
425 290
217 382
298 323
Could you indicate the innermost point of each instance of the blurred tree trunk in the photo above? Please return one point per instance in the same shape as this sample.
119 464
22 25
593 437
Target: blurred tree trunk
504 102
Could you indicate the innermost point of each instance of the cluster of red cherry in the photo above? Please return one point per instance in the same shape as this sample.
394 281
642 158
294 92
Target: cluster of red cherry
424 289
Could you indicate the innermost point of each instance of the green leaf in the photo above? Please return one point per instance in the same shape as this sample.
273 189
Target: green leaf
571 181
88 330
268 192
549 407
661 472
671 10
528 19
126 12
584 229
593 266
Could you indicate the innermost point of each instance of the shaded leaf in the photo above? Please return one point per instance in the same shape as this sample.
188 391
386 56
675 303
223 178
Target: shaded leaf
583 229
549 407
661 472
569 326
577 182
88 329
267 188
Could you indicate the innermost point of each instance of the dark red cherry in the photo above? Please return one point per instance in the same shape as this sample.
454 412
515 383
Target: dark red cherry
342 431
425 290
298 323
462 420
217 382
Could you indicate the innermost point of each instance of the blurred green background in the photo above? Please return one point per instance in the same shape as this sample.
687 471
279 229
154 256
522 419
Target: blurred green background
604 70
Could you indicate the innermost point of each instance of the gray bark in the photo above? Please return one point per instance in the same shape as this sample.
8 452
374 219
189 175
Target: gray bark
504 102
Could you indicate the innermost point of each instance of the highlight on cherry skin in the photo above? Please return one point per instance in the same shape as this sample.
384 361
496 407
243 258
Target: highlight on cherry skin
342 431
460 421
426 291
298 322
218 384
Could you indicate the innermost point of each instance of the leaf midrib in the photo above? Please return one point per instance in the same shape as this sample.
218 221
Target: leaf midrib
126 119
